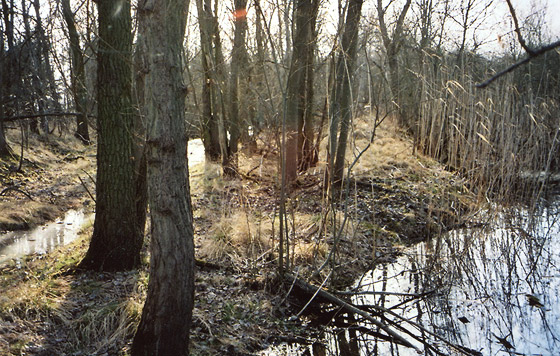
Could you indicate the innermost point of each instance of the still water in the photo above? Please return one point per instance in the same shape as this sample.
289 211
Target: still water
486 291
41 239
494 291
65 230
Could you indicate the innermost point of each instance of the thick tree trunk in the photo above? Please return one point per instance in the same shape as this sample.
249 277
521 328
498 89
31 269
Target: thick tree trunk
78 74
166 317
117 236
344 74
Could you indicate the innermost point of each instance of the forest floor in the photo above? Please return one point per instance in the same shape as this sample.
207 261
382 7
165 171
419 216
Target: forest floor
395 198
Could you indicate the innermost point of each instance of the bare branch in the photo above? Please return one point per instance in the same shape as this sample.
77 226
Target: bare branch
518 30
36 116
532 55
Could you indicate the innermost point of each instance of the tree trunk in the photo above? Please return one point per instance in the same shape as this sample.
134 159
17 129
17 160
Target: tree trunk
166 318
45 69
139 120
5 65
239 64
392 46
308 150
117 236
296 87
210 118
344 74
78 74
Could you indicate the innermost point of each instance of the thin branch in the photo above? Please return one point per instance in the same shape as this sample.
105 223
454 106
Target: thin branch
520 38
36 116
86 188
530 52
531 56
15 189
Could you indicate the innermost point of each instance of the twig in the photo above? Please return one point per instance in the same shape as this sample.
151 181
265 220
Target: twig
518 30
514 66
349 308
89 176
314 294
352 293
87 190
36 116
531 53
15 189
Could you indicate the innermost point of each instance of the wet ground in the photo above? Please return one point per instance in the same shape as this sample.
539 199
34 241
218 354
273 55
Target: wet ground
45 238
42 239
491 291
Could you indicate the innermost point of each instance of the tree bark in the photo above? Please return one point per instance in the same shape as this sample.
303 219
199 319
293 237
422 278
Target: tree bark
239 63
46 69
117 237
78 74
342 99
139 120
392 46
296 88
166 318
210 114
308 149
5 65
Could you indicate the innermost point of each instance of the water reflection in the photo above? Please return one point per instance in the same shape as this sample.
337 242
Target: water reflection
42 239
493 292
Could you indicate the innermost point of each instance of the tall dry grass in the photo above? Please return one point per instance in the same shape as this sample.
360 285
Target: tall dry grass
496 137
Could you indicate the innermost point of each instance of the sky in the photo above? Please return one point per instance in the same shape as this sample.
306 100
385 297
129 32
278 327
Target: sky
527 6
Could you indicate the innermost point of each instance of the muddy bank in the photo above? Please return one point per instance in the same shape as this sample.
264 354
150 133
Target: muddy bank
55 176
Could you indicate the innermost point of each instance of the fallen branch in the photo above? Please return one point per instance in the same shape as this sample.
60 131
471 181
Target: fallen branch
16 189
348 308
37 116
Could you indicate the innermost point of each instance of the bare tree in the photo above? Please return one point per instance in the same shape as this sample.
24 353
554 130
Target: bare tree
341 98
117 235
78 74
212 104
238 76
392 42
297 88
166 317
6 46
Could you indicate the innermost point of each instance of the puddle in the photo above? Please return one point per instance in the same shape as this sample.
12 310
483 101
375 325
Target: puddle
41 239
490 292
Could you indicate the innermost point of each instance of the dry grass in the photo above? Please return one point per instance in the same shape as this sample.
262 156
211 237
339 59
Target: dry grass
49 176
240 236
17 216
63 314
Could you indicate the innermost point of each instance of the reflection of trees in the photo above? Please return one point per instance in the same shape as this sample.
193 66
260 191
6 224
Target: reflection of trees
480 282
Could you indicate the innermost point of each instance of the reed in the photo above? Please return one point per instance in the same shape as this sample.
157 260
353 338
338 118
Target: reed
495 137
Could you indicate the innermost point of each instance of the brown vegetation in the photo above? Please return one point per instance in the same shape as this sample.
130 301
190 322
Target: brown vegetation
395 198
